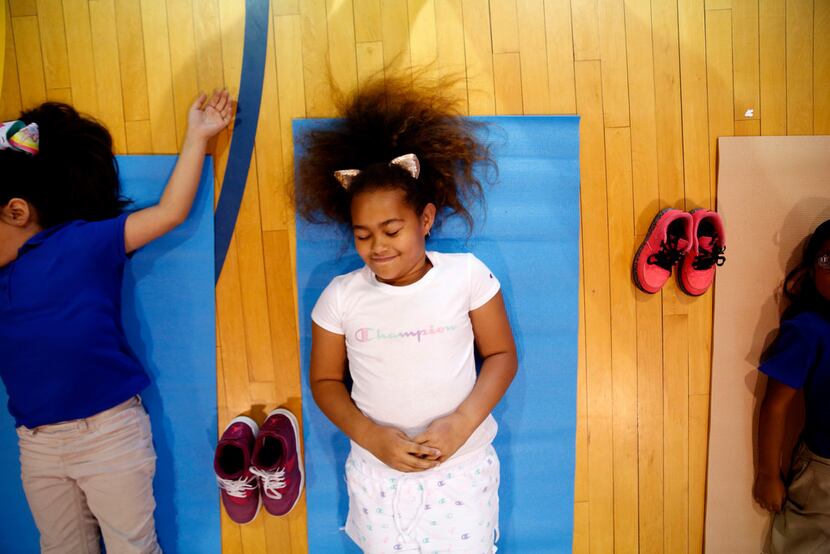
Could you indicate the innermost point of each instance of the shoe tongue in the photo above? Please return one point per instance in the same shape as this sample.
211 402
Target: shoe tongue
705 242
682 244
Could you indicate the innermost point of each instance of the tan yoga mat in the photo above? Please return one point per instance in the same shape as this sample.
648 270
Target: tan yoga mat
772 192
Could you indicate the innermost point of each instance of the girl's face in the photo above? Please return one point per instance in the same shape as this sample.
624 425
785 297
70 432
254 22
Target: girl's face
821 270
390 237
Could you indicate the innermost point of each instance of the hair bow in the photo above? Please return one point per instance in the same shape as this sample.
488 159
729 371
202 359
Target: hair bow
16 135
407 162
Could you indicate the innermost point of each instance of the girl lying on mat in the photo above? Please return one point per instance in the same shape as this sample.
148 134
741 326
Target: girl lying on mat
799 359
86 452
422 474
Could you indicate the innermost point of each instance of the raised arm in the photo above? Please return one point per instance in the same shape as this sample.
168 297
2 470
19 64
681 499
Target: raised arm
327 379
494 340
203 122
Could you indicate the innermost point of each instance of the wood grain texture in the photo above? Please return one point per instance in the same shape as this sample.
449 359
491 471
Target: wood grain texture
655 83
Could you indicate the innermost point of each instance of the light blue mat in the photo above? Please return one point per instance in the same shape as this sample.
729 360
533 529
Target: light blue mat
169 318
530 240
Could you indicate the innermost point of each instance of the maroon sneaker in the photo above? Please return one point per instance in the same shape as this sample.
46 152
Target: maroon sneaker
667 241
240 490
697 270
278 462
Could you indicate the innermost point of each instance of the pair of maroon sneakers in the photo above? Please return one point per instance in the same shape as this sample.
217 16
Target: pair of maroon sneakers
695 241
256 466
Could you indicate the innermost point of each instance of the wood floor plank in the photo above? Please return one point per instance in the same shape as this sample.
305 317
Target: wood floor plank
507 76
772 66
624 338
479 57
26 36
597 306
53 43
800 67
534 57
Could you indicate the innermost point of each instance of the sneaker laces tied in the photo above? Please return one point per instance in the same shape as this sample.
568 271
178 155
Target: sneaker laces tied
668 255
708 258
238 488
272 481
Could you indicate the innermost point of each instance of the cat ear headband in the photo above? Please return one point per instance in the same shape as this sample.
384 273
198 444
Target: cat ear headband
407 162
16 135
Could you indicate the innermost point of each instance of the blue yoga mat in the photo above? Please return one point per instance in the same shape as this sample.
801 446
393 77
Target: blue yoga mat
530 240
169 319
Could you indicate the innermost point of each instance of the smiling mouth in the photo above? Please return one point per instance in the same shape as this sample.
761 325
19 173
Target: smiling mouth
383 260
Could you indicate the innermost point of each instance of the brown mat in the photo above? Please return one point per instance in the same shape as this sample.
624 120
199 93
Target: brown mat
772 192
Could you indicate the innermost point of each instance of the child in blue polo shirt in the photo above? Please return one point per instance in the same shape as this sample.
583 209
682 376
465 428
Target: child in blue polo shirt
799 359
86 453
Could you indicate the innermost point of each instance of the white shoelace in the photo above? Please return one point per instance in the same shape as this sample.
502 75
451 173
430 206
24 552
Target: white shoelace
237 487
271 481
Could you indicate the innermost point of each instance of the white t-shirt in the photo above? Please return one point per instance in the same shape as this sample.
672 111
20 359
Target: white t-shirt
410 348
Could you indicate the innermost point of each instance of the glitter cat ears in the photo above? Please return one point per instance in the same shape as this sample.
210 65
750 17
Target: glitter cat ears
16 135
407 162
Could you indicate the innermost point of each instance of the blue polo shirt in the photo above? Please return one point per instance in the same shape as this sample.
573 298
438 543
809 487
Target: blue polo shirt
800 358
63 352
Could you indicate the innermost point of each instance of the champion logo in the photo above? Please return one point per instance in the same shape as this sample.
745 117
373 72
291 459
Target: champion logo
368 334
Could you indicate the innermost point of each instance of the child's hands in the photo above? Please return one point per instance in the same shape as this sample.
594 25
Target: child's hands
769 491
392 447
446 434
204 122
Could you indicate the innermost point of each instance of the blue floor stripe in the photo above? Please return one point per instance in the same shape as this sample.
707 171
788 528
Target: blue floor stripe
244 132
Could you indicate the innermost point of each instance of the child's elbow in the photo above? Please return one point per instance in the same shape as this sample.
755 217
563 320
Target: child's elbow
177 218
513 362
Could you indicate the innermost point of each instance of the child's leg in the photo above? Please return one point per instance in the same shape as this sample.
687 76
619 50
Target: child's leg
57 503
804 523
115 468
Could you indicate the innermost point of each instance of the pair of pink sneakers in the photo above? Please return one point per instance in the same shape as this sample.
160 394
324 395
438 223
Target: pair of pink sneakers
695 241
256 466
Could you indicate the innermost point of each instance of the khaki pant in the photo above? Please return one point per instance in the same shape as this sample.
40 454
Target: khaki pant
803 526
92 476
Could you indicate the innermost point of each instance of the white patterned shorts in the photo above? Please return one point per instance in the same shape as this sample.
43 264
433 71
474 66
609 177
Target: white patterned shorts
451 508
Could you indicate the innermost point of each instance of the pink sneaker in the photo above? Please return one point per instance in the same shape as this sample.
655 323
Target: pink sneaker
697 271
240 491
278 462
667 241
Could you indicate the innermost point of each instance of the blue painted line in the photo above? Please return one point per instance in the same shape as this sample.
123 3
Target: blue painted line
244 131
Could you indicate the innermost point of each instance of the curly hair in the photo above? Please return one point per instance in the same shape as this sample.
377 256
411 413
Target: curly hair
384 120
800 286
74 175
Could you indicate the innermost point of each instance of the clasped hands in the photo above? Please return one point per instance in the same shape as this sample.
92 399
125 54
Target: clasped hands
441 439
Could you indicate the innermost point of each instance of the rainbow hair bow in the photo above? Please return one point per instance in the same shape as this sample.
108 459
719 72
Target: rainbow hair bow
16 135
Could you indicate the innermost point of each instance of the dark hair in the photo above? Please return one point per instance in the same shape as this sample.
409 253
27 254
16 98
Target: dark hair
800 286
74 175
386 119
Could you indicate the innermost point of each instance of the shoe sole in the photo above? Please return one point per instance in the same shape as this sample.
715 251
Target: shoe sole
643 245
296 425
255 428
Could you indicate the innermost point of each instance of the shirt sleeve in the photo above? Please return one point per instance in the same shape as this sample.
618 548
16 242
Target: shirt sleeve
104 240
792 356
327 312
483 285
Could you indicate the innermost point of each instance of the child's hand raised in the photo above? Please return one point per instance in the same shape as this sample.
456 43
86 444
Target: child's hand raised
395 449
204 120
446 434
